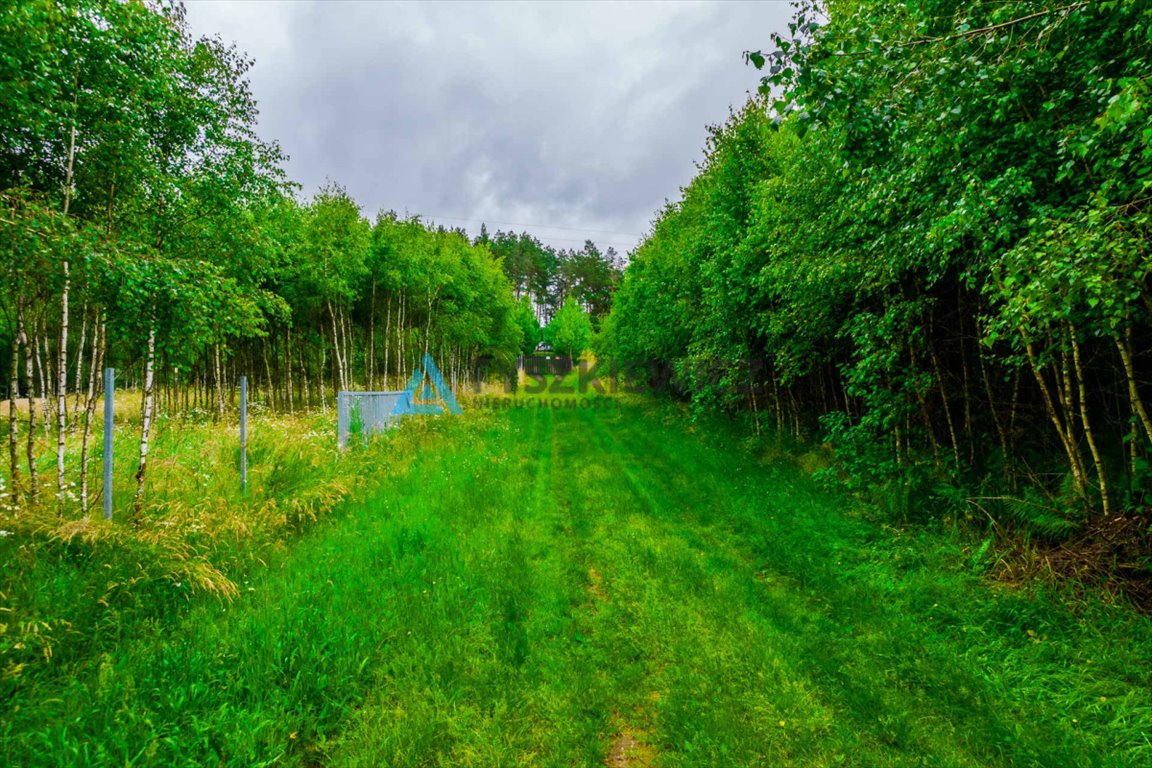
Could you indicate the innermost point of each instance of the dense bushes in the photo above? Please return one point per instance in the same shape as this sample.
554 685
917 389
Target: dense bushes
926 241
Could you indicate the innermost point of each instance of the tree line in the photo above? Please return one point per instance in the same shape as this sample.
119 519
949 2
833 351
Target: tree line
145 226
547 276
926 241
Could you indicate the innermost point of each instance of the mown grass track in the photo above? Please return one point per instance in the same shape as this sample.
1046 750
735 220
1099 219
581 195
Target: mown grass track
569 587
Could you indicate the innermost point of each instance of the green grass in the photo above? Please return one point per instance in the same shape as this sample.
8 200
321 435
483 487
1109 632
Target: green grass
526 588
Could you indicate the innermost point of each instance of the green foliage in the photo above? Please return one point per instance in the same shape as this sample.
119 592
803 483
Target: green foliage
530 331
334 248
926 242
547 277
141 138
570 330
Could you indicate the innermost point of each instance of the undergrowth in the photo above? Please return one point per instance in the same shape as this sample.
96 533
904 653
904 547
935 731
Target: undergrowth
74 584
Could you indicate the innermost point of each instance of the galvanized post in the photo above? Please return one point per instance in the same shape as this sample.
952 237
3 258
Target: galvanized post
243 433
109 395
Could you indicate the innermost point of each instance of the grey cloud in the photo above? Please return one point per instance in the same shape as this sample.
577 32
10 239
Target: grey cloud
584 116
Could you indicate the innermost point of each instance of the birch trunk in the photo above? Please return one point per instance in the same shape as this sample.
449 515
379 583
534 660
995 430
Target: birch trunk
387 328
288 356
336 348
372 339
13 440
752 397
145 425
1074 462
271 391
1133 453
25 342
1097 460
428 324
349 350
401 360
320 383
304 375
1125 349
219 381
79 365
62 352
62 382
41 380
90 409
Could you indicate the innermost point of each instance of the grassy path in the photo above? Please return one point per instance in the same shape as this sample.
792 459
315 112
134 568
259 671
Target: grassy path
574 587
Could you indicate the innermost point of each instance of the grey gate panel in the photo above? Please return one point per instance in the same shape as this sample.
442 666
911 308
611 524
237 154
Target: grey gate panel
365 413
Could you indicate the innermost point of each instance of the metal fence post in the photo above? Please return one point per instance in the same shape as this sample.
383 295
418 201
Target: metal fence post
109 394
243 433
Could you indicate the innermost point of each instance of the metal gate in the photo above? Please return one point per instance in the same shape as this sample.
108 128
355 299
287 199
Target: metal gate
365 413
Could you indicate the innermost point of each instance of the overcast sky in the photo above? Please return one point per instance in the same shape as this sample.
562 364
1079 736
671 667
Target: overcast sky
567 120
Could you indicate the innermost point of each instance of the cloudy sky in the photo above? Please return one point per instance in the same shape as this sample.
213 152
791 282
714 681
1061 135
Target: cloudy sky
567 120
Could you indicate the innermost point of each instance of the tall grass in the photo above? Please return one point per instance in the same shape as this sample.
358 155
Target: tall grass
552 586
73 584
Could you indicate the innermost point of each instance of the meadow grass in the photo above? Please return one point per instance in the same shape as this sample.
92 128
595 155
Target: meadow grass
560 586
73 584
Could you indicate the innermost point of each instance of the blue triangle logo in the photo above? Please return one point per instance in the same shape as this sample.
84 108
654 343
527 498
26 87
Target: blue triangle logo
433 397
